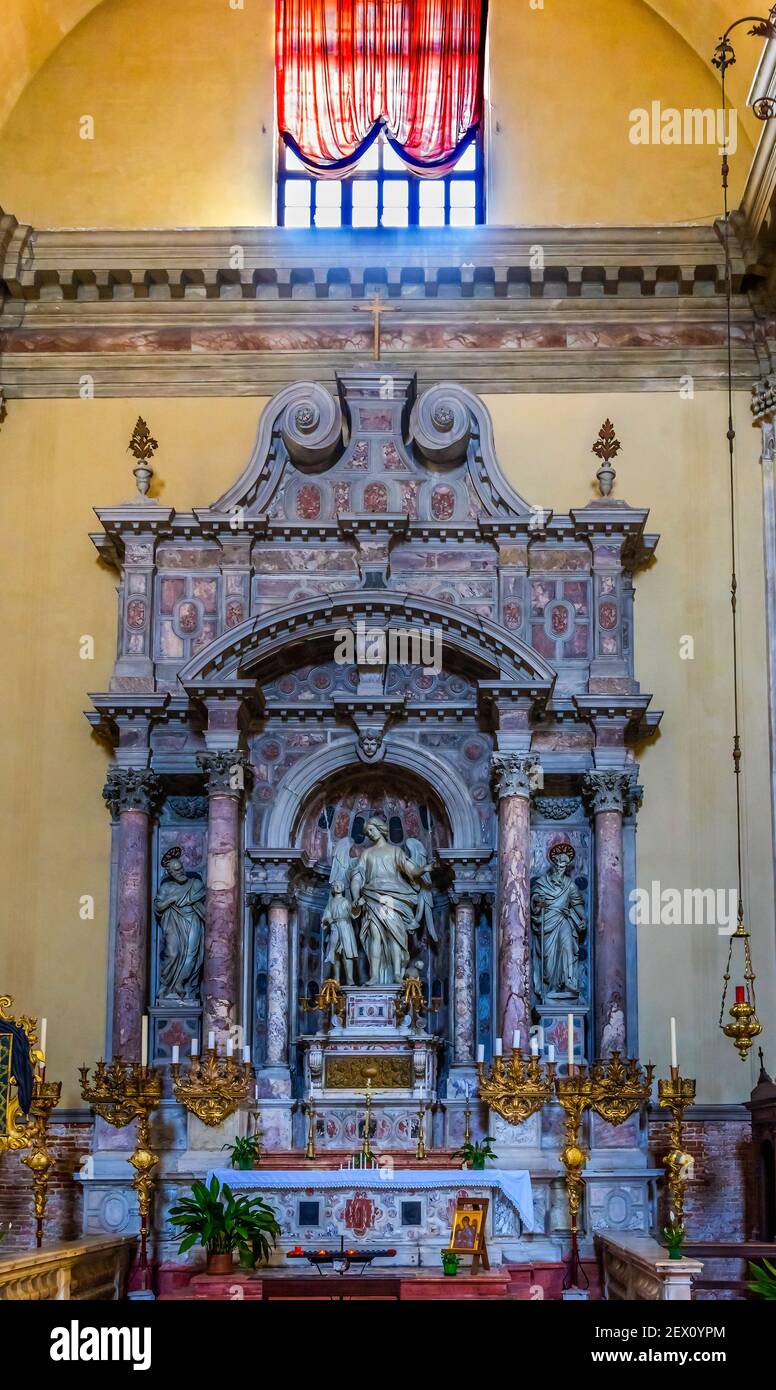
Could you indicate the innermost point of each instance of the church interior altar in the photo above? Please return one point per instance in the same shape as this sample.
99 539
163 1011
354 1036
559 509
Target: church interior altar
372 725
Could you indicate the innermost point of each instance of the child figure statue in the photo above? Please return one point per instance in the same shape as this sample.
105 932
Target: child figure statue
342 949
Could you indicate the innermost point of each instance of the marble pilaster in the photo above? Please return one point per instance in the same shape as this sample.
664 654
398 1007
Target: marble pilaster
512 772
278 998
606 792
131 795
465 982
225 774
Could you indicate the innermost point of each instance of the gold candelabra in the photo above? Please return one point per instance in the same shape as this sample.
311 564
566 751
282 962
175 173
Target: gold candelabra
620 1086
675 1093
411 1000
213 1086
518 1089
330 1000
121 1092
366 1147
45 1098
309 1152
421 1151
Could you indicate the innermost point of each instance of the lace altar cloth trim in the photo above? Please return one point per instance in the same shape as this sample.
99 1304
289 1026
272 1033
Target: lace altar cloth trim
515 1184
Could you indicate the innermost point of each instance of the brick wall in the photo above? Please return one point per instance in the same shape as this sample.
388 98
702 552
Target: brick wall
70 1143
719 1200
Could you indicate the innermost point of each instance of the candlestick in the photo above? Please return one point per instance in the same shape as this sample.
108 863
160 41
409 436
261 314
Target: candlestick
212 1087
420 1151
45 1097
675 1094
674 1062
517 1089
310 1149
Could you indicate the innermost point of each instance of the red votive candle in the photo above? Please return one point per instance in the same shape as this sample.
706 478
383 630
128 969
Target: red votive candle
740 994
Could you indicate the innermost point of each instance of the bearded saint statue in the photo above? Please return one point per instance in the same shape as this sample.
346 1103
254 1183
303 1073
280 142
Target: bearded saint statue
180 907
558 927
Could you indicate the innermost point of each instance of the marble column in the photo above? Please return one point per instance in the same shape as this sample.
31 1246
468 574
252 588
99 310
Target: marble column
464 977
512 772
606 792
225 775
277 984
131 795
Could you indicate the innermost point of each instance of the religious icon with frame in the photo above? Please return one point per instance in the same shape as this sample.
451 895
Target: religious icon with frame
467 1236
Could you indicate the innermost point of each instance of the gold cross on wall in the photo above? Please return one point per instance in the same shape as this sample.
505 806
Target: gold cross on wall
376 306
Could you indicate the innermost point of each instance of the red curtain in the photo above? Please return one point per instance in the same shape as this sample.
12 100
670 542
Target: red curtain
347 67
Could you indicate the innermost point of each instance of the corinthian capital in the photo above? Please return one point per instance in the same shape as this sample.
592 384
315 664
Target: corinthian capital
514 774
607 791
226 771
132 789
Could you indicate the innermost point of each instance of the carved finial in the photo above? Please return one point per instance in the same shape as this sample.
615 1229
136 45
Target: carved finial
606 447
143 447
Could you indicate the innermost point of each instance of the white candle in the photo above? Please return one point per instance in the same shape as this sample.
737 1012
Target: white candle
534 1046
550 1052
43 1032
229 1048
467 1090
195 1047
211 1040
176 1054
498 1047
480 1052
674 1062
246 1054
256 1091
570 1035
541 1039
516 1040
144 1041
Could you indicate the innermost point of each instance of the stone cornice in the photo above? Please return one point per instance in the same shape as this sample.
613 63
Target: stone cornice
163 313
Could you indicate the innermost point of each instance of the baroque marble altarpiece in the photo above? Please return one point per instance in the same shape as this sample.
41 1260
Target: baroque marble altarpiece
500 740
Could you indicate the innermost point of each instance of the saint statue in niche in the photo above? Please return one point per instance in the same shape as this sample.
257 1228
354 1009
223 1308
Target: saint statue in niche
558 927
180 907
342 950
390 888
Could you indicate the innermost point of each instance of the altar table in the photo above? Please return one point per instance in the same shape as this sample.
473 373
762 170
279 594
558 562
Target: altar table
513 1184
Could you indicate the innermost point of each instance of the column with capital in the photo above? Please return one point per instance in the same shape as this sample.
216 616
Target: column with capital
465 1002
512 774
606 792
131 795
226 774
278 955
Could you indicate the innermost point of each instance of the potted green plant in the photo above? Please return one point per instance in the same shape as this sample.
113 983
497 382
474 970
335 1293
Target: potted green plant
450 1262
763 1280
674 1237
473 1155
245 1151
212 1216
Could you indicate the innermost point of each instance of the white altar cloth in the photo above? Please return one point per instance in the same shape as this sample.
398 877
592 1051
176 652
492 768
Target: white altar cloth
514 1184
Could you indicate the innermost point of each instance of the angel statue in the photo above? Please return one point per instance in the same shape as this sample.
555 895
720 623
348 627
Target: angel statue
390 887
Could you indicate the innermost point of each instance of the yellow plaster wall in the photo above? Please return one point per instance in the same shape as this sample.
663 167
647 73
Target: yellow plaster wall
182 98
60 458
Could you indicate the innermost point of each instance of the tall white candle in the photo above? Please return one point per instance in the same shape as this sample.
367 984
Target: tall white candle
550 1052
211 1040
570 1035
540 1035
674 1062
176 1054
516 1040
43 1032
144 1041
229 1048
498 1047
256 1091
480 1052
534 1046
195 1047
246 1054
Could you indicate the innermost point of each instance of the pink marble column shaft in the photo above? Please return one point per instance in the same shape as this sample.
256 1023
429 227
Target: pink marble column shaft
221 975
464 977
513 772
607 791
277 985
132 917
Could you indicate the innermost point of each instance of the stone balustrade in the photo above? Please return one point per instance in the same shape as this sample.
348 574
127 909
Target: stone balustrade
94 1267
638 1269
